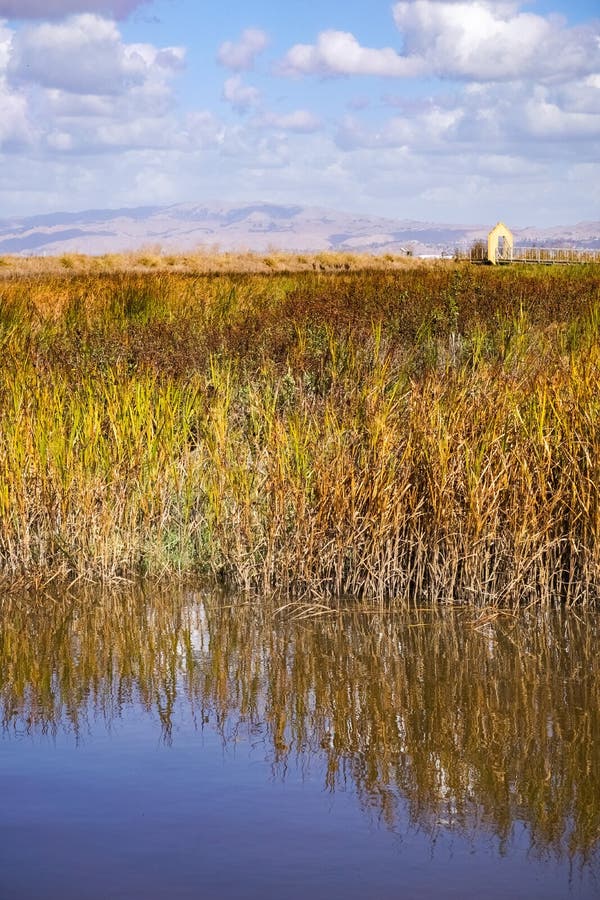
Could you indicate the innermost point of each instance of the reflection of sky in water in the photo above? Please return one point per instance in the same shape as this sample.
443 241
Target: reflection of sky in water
162 749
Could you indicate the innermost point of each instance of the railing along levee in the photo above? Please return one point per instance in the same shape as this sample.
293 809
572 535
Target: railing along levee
554 255
542 255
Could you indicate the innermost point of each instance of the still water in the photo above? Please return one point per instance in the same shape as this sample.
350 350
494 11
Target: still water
181 745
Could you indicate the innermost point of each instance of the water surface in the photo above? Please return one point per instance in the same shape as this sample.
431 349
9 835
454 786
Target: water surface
181 745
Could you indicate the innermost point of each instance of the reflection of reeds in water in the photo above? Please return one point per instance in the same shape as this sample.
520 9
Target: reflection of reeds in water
431 431
467 722
67 660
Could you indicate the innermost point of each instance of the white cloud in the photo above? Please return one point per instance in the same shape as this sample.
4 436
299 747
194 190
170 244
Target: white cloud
60 140
545 120
86 90
241 55
580 96
300 120
57 9
152 98
482 40
339 53
90 119
242 97
6 38
424 131
495 120
15 125
16 129
204 129
448 181
86 55
143 133
459 39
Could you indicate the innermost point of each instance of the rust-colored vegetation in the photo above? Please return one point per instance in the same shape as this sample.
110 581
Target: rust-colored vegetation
393 432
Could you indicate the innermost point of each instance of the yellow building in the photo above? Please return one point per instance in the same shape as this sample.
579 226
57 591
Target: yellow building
500 244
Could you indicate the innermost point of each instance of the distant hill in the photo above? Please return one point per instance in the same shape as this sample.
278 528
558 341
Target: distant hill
257 227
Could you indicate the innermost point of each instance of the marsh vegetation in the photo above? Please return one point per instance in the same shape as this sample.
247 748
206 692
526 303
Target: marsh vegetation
401 433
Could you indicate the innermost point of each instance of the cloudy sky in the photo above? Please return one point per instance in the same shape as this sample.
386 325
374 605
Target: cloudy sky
445 110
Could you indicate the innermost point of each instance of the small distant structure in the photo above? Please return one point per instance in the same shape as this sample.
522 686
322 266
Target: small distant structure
500 244
501 249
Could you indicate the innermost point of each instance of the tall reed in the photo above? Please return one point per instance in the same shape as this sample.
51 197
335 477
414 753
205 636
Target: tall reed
431 431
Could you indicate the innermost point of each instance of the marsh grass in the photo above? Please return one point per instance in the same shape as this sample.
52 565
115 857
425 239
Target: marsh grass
429 432
203 260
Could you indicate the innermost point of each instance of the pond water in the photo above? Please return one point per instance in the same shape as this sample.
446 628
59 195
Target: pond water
176 744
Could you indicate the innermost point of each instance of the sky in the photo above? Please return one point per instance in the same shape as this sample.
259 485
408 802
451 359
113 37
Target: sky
458 111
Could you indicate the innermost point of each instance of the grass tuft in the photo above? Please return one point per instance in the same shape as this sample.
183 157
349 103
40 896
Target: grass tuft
426 430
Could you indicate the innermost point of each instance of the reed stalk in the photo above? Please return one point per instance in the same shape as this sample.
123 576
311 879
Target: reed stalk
431 431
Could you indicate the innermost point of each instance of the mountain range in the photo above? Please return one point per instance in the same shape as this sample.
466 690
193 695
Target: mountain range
258 227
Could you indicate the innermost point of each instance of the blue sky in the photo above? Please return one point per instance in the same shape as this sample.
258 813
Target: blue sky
442 110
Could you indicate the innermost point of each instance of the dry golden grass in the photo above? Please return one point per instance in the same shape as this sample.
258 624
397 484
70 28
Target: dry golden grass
430 431
205 261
